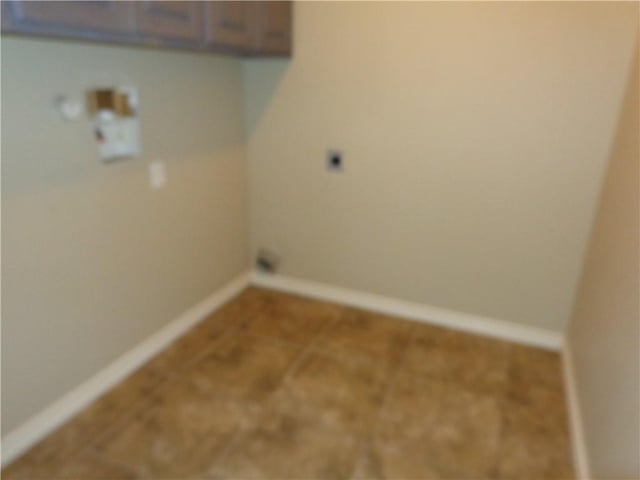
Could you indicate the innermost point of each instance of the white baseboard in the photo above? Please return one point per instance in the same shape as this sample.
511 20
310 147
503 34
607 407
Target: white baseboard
415 311
37 427
578 444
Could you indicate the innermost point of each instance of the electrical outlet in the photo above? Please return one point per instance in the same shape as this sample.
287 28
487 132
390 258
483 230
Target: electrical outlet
157 174
335 162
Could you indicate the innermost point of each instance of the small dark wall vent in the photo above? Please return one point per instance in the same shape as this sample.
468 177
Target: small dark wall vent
267 261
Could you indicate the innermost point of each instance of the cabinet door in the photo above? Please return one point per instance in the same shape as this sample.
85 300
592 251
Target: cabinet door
231 25
274 30
108 19
172 21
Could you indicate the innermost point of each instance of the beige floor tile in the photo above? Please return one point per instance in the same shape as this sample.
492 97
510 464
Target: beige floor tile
535 434
246 366
535 366
55 450
430 429
536 407
181 435
345 391
79 466
379 461
277 303
277 386
206 334
119 404
535 401
292 319
31 466
89 466
534 456
249 303
372 336
473 362
189 347
108 412
293 441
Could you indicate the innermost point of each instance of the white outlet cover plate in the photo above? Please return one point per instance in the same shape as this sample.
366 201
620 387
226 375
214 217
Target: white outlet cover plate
157 174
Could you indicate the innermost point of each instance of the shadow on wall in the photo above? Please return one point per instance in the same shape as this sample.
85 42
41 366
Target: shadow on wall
259 97
604 334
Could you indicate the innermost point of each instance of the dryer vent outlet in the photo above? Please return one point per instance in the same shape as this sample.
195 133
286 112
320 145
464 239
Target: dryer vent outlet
267 261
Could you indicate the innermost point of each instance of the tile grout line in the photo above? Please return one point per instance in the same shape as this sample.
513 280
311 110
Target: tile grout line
172 377
394 377
236 440
501 400
390 376
370 435
305 352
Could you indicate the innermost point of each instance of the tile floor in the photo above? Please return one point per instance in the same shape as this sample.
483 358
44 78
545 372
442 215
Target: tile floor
277 386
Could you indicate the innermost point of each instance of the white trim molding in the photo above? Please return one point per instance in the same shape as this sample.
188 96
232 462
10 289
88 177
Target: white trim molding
576 428
466 322
37 427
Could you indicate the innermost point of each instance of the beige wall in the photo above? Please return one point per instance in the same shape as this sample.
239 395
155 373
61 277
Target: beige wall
93 260
604 334
475 136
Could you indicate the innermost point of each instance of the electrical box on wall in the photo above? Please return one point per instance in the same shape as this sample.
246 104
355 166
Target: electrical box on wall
114 112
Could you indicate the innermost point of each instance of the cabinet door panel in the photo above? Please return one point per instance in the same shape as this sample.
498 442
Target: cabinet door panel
259 28
275 27
231 24
171 20
85 18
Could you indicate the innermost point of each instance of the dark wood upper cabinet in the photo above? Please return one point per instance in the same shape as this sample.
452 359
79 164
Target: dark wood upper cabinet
109 19
231 25
274 28
251 28
172 21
